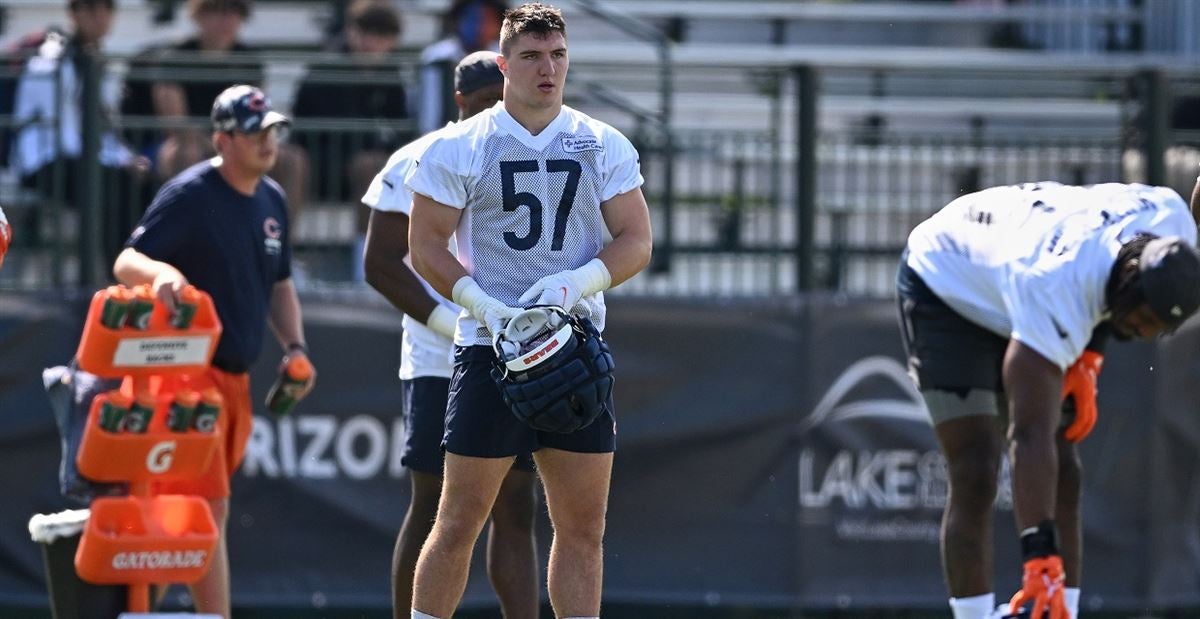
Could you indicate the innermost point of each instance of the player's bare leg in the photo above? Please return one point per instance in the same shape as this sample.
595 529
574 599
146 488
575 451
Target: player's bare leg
469 489
972 446
511 551
210 594
576 487
418 522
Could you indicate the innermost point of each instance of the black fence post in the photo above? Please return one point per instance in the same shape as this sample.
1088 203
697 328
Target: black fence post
449 105
91 223
806 174
1156 113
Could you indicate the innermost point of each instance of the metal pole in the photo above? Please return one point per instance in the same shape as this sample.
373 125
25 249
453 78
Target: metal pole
91 223
1156 115
662 255
806 174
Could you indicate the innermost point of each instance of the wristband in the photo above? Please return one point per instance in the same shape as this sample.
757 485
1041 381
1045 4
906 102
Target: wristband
442 320
1039 541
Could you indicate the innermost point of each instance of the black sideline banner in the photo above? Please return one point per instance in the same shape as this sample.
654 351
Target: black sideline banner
769 456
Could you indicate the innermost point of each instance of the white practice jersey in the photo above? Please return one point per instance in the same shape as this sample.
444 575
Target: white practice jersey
531 203
1030 262
423 352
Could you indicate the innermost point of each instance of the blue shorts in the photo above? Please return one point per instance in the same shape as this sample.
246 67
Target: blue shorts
425 423
478 422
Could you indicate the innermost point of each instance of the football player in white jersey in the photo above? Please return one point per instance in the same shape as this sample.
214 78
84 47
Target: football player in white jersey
527 189
425 368
999 294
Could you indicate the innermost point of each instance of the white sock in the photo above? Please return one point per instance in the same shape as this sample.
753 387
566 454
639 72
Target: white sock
1071 597
974 607
416 614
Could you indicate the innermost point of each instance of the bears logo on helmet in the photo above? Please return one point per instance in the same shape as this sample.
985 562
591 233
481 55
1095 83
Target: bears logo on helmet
553 369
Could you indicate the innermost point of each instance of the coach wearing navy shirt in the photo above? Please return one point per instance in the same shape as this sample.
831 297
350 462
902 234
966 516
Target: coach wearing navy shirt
222 226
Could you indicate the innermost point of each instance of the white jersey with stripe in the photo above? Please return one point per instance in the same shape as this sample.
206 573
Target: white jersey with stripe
423 352
1030 262
531 203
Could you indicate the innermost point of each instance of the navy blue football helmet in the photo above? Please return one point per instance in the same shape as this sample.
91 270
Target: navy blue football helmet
553 369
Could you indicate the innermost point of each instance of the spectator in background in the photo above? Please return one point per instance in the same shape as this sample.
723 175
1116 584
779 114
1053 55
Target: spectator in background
365 84
182 80
468 26
218 28
12 59
49 137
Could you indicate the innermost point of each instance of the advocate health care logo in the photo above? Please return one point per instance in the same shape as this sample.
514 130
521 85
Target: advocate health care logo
852 480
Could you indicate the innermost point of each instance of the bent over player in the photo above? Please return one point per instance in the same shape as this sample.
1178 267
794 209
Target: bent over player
527 189
999 293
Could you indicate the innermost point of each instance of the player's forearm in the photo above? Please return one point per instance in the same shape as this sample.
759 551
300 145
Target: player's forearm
132 267
627 255
437 265
284 314
398 284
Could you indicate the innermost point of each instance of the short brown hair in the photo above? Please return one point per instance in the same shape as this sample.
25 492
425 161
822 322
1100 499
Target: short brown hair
534 18
241 7
373 17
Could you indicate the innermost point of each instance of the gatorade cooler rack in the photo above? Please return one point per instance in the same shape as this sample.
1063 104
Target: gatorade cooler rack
143 539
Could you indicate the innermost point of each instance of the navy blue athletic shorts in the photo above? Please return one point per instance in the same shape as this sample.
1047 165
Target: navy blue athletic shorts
425 422
478 422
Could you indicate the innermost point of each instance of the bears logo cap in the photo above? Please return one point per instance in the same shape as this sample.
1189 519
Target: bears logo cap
245 109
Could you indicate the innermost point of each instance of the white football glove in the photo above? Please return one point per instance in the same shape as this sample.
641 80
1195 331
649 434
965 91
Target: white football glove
485 308
566 288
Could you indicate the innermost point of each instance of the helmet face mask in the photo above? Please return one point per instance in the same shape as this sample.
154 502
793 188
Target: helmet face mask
553 370
533 337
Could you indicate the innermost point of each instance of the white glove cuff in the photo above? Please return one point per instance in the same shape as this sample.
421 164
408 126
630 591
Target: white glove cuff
592 277
442 320
467 293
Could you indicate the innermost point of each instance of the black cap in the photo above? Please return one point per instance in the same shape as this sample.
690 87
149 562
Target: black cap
244 108
477 70
1170 276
